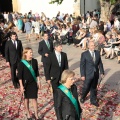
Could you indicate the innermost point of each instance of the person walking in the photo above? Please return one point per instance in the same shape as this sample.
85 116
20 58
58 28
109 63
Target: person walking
45 49
56 64
13 55
29 80
67 104
90 64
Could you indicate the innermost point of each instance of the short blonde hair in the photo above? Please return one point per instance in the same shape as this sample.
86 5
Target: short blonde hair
66 74
25 51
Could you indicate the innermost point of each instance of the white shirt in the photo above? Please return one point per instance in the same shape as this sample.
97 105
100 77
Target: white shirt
15 43
47 42
92 54
58 55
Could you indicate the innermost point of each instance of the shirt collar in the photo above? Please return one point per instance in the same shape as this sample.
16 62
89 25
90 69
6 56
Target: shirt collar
91 51
14 40
57 53
46 40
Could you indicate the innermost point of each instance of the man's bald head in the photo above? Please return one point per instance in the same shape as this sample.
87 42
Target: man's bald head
91 46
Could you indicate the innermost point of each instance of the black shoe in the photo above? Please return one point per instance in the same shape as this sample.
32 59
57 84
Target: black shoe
95 104
82 100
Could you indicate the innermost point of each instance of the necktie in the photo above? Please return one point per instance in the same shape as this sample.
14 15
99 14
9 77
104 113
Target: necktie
14 44
59 61
93 57
48 45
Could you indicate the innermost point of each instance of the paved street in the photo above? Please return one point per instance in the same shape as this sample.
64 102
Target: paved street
108 92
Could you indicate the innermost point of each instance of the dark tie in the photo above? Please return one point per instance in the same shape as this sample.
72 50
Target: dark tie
14 44
48 45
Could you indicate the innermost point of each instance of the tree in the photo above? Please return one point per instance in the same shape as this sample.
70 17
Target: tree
56 1
106 7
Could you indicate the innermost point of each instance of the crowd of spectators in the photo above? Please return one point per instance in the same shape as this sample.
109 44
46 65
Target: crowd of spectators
70 29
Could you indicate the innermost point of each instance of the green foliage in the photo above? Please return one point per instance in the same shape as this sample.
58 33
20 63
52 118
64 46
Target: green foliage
111 1
56 1
60 1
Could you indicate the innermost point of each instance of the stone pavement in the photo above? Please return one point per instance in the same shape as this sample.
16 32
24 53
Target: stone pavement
108 92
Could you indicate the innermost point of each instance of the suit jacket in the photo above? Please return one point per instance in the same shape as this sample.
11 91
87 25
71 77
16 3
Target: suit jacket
53 70
87 66
64 106
12 54
44 49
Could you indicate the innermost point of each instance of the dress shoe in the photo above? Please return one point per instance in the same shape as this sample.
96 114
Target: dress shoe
95 104
82 100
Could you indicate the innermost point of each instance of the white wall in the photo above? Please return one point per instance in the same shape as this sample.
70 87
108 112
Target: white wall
43 6
90 5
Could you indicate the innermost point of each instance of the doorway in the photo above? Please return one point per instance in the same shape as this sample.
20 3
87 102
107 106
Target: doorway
6 6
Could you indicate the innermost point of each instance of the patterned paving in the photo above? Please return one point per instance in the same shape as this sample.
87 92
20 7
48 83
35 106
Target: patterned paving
108 92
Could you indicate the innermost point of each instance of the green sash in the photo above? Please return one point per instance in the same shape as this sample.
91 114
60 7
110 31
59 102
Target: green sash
30 68
72 99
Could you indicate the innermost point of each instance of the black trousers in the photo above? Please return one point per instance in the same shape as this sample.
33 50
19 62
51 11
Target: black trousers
90 85
44 66
3 48
14 74
55 83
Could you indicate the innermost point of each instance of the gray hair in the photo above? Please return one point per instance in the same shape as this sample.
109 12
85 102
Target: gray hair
56 44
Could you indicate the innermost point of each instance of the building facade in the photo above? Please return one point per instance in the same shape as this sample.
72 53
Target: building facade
68 6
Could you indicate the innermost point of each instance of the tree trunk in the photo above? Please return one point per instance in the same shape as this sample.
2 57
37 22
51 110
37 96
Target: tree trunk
106 10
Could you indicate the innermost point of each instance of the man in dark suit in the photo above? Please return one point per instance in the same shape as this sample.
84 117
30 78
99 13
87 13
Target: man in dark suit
45 49
57 63
13 55
89 67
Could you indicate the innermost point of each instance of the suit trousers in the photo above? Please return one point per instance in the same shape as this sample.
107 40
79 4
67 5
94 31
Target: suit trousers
90 85
14 74
55 84
45 66
3 48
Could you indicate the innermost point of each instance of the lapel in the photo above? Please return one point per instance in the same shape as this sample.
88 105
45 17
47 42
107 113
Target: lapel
62 59
56 59
96 56
17 44
12 44
45 44
90 57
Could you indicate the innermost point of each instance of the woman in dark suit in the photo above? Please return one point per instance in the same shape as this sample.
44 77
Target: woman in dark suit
28 75
68 107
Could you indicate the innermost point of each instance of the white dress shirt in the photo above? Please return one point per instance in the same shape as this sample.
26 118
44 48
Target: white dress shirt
92 52
15 43
58 55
